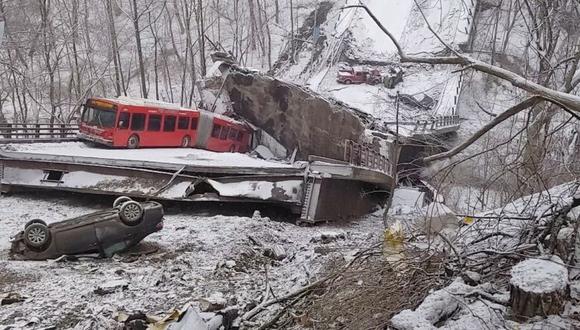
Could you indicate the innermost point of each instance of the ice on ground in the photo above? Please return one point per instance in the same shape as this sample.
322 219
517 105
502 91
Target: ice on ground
540 275
180 156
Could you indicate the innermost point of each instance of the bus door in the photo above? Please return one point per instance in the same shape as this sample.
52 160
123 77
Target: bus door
123 128
153 135
204 127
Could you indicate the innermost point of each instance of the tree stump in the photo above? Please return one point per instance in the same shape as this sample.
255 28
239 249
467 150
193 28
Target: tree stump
538 287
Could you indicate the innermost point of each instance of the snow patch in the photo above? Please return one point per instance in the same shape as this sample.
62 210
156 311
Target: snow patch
540 275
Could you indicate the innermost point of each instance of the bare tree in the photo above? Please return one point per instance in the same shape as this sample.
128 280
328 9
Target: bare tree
114 48
558 97
136 15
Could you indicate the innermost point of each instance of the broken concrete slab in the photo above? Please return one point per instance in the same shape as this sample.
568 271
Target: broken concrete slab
328 237
276 252
189 320
296 117
111 287
214 302
11 298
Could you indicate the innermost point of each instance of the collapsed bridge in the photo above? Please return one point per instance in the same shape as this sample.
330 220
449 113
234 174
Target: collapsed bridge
319 189
344 169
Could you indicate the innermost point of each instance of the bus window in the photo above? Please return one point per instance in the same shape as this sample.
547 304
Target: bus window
233 134
183 123
240 135
215 133
224 133
123 122
194 123
103 118
154 123
169 124
138 122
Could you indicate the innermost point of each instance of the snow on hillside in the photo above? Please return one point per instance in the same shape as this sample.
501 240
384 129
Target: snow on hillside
365 42
370 41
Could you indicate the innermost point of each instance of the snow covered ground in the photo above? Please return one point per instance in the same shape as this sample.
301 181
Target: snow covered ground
379 101
199 252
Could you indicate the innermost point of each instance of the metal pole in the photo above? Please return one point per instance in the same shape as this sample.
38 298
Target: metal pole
395 161
1 175
397 120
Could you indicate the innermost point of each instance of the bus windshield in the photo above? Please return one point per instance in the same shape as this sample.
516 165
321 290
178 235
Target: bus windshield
99 117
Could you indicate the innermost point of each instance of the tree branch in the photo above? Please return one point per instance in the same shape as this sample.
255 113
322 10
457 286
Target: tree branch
529 102
570 101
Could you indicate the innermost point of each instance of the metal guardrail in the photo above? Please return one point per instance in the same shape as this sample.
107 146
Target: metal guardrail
437 123
24 133
364 156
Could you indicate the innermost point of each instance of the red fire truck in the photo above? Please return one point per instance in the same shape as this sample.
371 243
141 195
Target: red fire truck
140 123
352 75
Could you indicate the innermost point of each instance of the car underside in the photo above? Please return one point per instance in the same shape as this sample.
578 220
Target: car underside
104 232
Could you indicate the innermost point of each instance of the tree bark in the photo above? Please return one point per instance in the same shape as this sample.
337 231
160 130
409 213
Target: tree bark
292 50
114 46
139 50
201 38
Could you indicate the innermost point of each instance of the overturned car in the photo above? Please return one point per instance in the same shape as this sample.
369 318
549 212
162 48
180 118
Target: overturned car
104 232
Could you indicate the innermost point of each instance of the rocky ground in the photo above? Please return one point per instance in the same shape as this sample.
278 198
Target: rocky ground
201 252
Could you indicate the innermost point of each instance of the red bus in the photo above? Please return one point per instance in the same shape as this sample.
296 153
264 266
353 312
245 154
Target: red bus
140 123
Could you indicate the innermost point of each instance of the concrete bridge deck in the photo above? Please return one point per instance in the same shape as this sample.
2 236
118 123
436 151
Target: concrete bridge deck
316 190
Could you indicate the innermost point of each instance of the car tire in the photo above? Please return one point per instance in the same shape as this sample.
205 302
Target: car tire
348 82
131 213
36 235
186 142
120 200
34 221
133 142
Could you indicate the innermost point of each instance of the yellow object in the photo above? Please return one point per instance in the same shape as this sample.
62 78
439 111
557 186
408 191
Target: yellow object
468 220
394 235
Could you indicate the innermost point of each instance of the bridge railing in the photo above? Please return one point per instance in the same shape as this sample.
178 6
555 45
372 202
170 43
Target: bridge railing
436 123
364 156
22 132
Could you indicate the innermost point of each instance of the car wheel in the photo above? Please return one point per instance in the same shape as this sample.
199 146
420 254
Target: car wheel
120 200
36 235
133 142
131 213
34 221
348 82
186 142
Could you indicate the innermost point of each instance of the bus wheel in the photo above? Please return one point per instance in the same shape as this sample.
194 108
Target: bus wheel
133 142
186 142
